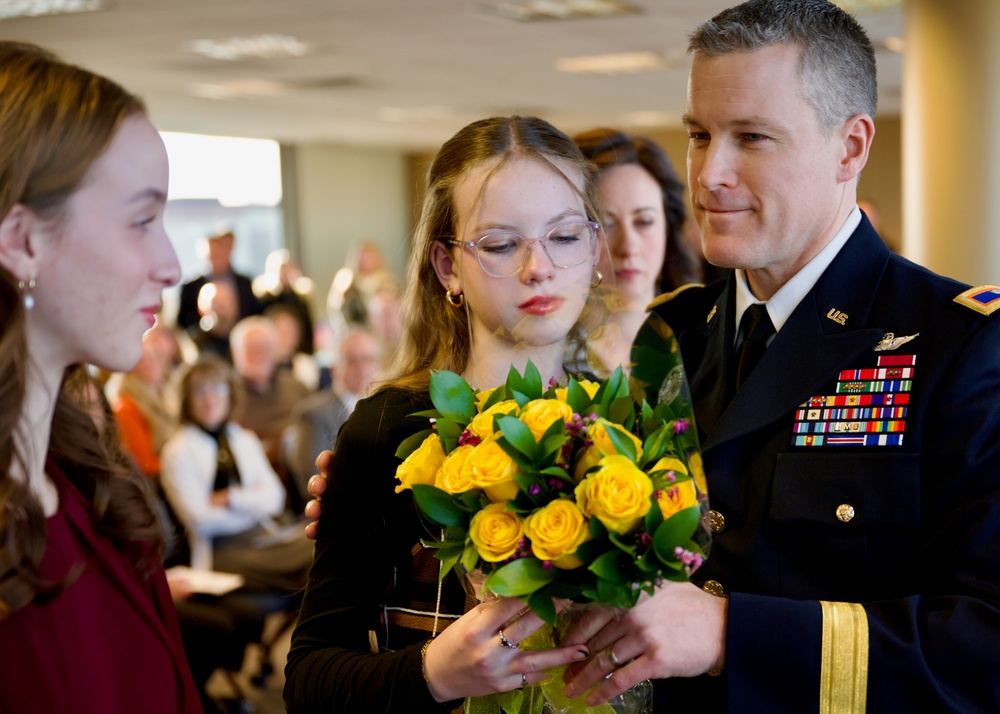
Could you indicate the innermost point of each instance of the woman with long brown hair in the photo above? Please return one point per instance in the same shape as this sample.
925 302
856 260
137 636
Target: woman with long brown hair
86 620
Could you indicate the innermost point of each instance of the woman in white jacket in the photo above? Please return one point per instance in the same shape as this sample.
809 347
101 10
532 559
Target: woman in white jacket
222 487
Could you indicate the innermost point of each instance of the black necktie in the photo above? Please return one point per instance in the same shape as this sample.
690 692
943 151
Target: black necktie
757 327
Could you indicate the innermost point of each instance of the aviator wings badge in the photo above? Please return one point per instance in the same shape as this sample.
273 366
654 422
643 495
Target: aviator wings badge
889 341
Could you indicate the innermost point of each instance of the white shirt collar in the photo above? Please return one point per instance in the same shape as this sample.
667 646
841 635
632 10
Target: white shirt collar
783 303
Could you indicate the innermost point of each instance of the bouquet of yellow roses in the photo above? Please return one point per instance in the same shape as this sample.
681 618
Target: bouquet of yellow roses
582 493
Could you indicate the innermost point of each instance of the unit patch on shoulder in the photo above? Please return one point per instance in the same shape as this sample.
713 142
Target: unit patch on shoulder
984 299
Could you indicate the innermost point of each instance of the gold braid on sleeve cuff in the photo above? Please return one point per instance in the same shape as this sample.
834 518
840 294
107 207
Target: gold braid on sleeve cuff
843 682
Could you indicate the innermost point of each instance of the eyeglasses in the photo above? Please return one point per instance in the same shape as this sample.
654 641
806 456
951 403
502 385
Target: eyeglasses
219 389
504 254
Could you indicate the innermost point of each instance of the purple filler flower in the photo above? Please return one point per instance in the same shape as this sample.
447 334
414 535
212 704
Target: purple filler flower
681 425
534 489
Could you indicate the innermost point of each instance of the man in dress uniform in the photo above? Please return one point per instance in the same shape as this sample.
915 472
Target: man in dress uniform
848 403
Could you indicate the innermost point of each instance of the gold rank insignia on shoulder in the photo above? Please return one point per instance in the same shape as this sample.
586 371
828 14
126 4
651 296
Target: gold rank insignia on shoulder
983 298
667 297
889 341
711 314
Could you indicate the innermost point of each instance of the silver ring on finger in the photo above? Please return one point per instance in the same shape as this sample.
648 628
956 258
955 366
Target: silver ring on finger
524 680
614 658
507 643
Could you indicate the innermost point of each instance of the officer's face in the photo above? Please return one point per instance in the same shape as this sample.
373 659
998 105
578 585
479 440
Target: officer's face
763 177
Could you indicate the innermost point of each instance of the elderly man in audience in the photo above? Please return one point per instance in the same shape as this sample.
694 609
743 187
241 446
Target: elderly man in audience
217 251
270 393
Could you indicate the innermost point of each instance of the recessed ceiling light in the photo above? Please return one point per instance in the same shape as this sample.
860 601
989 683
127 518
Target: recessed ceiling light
623 63
271 46
529 10
237 88
33 8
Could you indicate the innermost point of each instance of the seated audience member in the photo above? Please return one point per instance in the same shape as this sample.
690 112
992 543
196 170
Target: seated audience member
270 393
222 488
143 408
217 251
219 311
290 357
317 419
282 283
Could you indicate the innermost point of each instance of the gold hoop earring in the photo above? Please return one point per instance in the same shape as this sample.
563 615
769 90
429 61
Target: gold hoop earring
456 301
598 278
26 288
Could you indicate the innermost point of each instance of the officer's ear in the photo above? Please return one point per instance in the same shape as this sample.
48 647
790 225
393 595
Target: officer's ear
855 137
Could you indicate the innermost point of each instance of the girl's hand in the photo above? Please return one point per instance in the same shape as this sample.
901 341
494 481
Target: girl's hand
470 659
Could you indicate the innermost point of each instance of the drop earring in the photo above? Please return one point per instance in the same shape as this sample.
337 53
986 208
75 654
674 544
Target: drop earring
26 288
598 278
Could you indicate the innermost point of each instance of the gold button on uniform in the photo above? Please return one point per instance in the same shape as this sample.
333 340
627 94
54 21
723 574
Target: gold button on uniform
714 587
716 521
845 512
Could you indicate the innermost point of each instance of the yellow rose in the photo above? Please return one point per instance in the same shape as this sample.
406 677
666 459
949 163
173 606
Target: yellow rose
598 433
539 414
676 498
618 494
556 531
490 468
450 477
482 424
602 446
483 397
589 457
669 463
589 387
698 473
495 532
422 465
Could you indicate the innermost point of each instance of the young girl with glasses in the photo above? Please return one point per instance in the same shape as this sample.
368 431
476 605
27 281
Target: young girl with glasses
503 260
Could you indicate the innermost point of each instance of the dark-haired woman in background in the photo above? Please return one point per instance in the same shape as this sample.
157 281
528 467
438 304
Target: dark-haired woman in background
643 210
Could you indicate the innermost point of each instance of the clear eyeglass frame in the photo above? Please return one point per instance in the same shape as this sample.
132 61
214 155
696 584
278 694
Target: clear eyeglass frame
473 245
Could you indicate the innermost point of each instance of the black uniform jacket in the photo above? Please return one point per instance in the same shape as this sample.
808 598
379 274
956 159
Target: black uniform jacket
812 511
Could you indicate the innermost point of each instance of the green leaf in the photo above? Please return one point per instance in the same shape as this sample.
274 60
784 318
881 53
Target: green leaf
623 445
532 381
470 557
647 411
622 411
438 506
655 445
452 396
520 397
516 383
517 434
498 395
597 529
429 413
610 566
525 463
412 443
541 604
447 563
676 531
620 544
519 578
577 398
654 517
